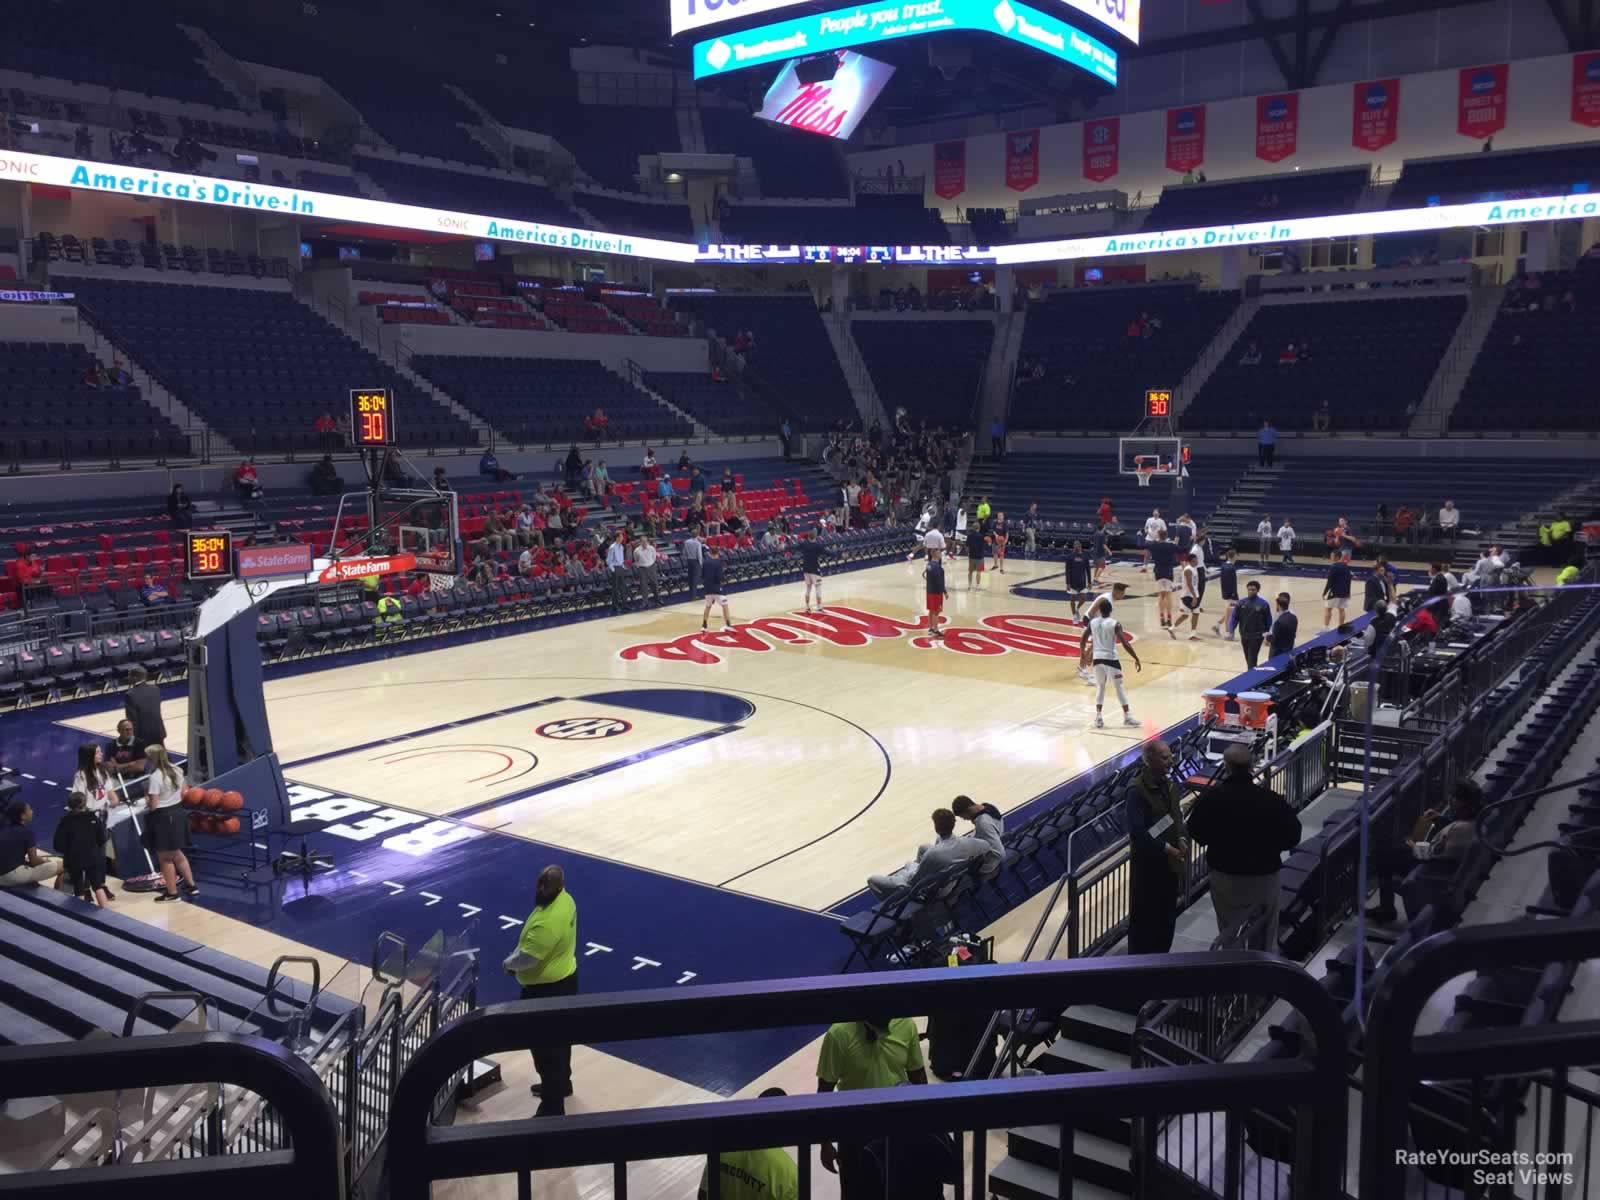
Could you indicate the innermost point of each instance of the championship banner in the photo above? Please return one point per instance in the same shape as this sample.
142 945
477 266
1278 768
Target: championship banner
1586 88
1377 114
1022 160
1101 143
1482 110
1186 138
1277 126
950 169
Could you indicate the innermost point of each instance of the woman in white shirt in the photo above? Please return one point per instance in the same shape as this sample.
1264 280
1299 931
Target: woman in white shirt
167 829
98 787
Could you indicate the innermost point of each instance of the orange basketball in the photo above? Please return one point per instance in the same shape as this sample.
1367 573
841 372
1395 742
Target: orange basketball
213 797
228 825
198 822
212 824
232 801
193 796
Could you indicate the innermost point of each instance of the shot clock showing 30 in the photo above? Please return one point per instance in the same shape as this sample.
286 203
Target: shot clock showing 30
1157 404
209 554
371 418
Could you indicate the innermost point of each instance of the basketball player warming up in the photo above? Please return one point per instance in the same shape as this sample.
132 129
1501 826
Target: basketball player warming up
1154 526
934 573
711 577
1000 538
1163 558
1101 640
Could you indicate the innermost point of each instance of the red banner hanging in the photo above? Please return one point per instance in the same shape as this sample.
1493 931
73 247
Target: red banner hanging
1101 148
1277 126
1377 114
949 169
1022 159
1482 109
1186 137
1586 88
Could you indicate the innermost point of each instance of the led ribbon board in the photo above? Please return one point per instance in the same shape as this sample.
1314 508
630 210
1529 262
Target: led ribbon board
1120 15
17 167
889 20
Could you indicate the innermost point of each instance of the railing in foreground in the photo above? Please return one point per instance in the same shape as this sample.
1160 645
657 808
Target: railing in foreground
422 1152
311 1166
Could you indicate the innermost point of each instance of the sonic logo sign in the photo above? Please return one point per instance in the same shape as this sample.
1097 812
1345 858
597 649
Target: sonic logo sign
1050 637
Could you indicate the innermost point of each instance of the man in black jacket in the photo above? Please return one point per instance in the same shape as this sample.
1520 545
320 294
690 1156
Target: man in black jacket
141 704
1252 621
1285 628
1157 852
1245 828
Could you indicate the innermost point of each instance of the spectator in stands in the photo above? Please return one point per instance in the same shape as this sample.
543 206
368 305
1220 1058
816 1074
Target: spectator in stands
80 839
545 964
1245 828
154 592
179 507
525 564
246 482
141 704
29 570
648 469
119 374
602 483
1289 355
327 431
441 480
1322 418
1158 852
1404 522
1449 520
167 825
523 532
786 436
496 534
1436 837
933 858
20 860
124 754
732 513
988 826
1252 621
1252 354
880 1051
325 479
997 438
756 1174
729 484
1423 623
1266 443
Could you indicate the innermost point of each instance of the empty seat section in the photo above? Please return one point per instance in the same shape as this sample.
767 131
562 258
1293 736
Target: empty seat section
934 369
1261 198
49 411
713 402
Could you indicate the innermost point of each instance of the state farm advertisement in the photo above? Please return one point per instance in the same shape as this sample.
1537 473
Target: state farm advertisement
359 568
832 108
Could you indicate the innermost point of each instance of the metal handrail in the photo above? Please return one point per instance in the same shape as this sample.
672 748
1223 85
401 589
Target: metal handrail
421 1152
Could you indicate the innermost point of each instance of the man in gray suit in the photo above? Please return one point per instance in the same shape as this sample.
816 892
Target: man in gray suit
141 704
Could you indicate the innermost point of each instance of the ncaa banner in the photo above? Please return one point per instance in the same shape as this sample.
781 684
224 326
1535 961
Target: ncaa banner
1186 138
1482 109
1022 160
1377 114
1586 88
1277 126
949 169
1101 141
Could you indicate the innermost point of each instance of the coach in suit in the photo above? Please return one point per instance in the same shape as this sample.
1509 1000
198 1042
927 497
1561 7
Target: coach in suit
141 704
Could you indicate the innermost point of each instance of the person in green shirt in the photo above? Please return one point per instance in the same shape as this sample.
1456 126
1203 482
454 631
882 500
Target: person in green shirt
756 1174
545 964
388 612
875 1053
983 509
1567 574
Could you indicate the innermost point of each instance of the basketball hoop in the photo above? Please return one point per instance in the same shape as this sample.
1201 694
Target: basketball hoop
1144 475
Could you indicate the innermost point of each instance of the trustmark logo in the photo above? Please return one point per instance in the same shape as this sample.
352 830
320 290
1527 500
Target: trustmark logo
719 54
584 729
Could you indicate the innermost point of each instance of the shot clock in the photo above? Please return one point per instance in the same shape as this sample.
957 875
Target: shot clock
371 418
1158 404
208 554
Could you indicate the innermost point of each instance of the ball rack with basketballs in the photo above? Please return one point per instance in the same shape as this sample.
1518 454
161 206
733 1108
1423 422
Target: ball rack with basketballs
225 827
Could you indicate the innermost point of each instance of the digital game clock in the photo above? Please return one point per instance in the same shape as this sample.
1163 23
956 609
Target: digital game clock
371 418
1157 404
208 554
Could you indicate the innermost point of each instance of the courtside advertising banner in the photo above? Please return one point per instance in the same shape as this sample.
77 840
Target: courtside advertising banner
1100 148
1021 155
832 108
1483 100
1377 114
1022 159
867 25
1277 126
1186 137
1120 15
950 168
1586 88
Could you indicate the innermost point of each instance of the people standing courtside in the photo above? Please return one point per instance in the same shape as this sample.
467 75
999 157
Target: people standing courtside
1157 860
1245 828
694 553
644 563
617 571
545 964
1285 628
141 704
1253 620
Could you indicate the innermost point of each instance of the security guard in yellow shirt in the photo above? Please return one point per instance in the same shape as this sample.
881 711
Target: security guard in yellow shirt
388 612
756 1174
545 963
1567 574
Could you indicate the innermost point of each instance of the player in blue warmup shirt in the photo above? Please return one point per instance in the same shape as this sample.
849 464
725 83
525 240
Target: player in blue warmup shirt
711 577
934 574
1228 576
1077 577
1163 559
1100 556
811 552
1336 593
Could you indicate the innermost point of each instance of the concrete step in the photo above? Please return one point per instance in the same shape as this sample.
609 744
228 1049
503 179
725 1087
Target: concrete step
1014 1179
1095 1159
1066 1055
1105 1028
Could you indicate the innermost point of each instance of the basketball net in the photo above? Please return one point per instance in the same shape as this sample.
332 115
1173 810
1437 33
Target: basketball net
1144 475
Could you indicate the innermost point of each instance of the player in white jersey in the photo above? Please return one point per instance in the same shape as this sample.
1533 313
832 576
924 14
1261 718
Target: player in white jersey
1191 596
1100 641
932 543
1264 537
1085 658
1153 526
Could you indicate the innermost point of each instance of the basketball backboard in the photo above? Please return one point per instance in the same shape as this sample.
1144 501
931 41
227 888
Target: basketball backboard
1161 457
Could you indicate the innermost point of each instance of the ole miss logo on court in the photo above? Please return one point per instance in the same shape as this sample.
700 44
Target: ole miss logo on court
1028 633
583 729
